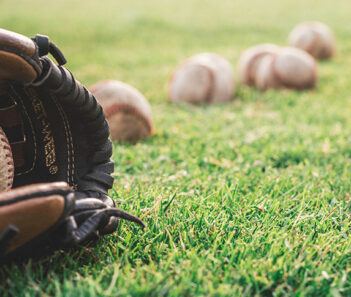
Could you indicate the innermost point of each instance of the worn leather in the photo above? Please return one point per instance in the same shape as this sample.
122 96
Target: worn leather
17 42
57 132
37 219
33 211
57 128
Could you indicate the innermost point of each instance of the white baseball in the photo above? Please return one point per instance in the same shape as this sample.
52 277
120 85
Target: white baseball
295 68
264 77
7 169
127 110
315 38
250 60
203 78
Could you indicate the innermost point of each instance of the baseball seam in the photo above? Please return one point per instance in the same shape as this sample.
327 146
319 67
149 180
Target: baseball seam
276 75
9 160
120 107
251 79
209 97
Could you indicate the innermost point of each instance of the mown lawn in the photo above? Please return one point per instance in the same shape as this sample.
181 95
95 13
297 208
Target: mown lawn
251 198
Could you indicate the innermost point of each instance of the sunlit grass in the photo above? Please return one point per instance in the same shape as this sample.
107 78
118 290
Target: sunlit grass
250 198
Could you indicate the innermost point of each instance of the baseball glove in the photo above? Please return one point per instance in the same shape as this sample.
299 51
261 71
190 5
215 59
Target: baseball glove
61 152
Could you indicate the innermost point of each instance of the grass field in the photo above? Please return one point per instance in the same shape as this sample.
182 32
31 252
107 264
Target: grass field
251 198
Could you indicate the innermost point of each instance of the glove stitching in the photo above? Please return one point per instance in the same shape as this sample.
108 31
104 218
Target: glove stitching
69 140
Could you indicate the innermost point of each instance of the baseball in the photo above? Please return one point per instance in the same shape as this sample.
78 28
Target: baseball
7 169
203 78
250 60
315 38
264 77
127 111
295 69
289 68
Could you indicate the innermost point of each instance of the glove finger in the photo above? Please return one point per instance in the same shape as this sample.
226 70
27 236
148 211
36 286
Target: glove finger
90 227
118 213
84 204
108 201
82 216
88 204
35 212
100 218
111 226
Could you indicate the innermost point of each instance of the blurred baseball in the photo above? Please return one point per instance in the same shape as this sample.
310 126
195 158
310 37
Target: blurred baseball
289 68
127 110
295 69
250 60
264 77
203 78
315 38
7 168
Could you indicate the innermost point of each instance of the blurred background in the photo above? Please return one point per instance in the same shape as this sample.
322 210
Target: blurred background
141 42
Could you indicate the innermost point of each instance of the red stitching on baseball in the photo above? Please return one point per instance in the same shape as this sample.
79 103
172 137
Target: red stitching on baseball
118 107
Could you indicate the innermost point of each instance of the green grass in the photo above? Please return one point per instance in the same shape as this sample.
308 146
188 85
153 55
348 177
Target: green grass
251 198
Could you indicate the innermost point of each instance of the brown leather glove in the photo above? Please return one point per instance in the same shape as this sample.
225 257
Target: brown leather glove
31 216
57 132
